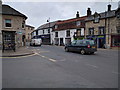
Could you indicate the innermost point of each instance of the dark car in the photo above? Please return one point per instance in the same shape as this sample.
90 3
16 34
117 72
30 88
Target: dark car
82 46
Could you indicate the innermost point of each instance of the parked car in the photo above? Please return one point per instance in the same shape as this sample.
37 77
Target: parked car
36 40
82 46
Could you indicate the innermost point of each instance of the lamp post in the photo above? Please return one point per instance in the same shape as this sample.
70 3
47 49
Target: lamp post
49 29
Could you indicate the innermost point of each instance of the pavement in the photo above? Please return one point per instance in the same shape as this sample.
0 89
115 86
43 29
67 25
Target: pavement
21 51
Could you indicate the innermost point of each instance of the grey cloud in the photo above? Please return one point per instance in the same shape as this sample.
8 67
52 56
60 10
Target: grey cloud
39 12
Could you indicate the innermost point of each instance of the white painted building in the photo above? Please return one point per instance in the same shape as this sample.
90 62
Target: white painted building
45 31
66 31
63 38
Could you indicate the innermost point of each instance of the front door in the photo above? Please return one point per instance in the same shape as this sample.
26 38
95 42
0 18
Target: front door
61 41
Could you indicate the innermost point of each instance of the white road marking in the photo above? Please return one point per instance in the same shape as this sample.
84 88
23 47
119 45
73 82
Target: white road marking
92 65
52 60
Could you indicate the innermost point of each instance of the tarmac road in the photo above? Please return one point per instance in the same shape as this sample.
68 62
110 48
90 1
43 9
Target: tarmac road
52 67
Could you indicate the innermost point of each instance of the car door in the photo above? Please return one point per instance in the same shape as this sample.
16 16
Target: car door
78 45
72 45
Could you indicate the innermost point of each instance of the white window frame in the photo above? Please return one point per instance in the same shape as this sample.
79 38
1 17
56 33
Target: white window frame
5 23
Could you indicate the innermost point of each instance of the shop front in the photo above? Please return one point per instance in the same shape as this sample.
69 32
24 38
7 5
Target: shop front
8 40
115 40
99 39
45 39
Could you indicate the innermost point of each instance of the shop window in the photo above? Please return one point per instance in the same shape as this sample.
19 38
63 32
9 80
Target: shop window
68 33
8 23
101 31
91 31
116 41
56 34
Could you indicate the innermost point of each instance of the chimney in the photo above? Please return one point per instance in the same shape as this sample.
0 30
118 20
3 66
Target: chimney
77 15
109 7
88 12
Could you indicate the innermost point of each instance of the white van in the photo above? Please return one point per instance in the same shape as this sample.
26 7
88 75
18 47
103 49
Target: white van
36 40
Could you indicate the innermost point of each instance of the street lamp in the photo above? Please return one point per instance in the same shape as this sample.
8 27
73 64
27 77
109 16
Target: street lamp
49 29
49 25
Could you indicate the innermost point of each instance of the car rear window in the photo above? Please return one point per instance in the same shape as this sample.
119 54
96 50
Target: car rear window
90 42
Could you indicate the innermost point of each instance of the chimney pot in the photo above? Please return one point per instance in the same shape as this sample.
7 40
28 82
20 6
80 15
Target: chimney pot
77 15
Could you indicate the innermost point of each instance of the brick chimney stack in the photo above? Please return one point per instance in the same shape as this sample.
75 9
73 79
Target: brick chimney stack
89 12
109 7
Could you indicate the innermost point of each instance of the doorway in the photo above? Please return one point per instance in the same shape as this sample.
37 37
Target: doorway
8 40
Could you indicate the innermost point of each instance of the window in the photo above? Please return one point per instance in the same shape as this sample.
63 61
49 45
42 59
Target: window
67 33
78 23
8 23
79 42
56 26
91 31
96 19
78 32
73 42
43 32
56 34
101 30
48 30
23 24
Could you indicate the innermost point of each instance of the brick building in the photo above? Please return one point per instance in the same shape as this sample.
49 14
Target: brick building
28 30
13 27
102 27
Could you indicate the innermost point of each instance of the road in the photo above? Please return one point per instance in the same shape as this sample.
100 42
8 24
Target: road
52 67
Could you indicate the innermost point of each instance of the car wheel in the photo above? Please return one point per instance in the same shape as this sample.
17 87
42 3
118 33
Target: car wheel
82 51
66 49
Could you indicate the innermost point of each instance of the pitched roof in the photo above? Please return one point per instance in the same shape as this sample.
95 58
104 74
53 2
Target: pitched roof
72 20
29 26
44 26
70 23
7 10
102 15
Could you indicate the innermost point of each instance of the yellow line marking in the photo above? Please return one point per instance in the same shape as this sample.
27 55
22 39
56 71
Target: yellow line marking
19 56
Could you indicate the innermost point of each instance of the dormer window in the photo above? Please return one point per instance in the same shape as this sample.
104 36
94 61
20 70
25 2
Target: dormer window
96 17
96 20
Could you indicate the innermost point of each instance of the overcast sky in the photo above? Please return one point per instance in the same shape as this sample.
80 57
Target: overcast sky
39 12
